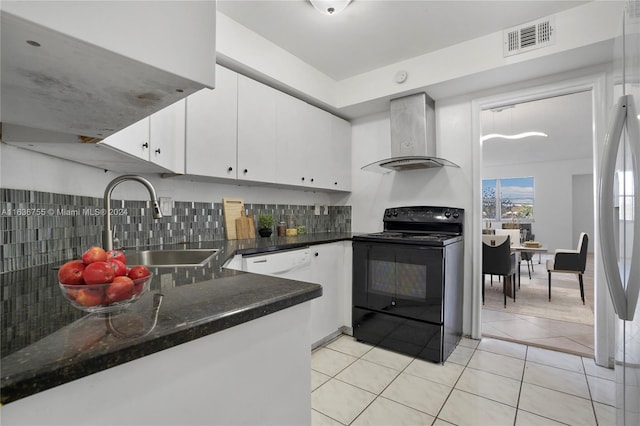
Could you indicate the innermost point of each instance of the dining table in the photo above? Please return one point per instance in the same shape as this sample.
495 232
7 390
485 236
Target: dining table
523 248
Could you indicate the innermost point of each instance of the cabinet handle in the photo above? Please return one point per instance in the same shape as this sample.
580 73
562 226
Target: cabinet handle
245 171
335 183
230 169
303 178
158 151
145 145
312 180
316 254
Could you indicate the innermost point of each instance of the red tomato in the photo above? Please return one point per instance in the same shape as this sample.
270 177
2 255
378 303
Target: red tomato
72 272
94 254
139 271
90 297
117 255
120 289
99 273
119 267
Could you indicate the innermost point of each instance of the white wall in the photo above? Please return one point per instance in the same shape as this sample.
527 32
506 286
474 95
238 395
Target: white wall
446 186
553 205
583 209
22 169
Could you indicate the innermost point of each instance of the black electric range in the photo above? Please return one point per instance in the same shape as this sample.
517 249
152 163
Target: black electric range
408 282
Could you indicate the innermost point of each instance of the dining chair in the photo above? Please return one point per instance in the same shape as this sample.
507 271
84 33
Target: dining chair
570 262
527 256
515 238
497 259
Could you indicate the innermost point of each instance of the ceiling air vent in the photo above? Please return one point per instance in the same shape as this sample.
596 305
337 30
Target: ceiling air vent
533 35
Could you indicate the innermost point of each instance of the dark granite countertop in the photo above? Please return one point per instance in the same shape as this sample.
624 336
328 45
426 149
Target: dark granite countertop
47 342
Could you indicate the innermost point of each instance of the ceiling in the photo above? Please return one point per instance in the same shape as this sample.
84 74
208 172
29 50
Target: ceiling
567 120
370 34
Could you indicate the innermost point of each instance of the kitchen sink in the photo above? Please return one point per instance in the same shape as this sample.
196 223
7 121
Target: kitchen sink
171 258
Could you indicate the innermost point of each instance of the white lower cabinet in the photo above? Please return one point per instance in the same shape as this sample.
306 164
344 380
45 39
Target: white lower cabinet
329 313
326 264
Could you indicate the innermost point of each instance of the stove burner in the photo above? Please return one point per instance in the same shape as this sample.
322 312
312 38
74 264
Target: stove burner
420 225
412 236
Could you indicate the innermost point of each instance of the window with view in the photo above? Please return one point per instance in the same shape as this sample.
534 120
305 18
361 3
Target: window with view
508 199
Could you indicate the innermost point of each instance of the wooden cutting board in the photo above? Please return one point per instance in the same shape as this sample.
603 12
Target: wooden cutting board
232 209
245 227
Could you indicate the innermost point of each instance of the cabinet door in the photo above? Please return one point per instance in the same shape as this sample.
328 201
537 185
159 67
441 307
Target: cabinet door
212 126
291 130
256 131
319 139
132 140
166 133
340 147
327 312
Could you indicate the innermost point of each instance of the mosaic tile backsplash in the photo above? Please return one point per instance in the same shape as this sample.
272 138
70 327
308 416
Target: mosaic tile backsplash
38 228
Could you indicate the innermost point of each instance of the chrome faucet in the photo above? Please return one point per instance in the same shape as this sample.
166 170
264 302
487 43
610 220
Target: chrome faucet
107 236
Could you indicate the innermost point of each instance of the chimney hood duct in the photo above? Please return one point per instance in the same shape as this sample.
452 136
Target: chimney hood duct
413 136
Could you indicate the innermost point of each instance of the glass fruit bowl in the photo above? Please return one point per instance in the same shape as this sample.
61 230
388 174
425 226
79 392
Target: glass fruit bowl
102 298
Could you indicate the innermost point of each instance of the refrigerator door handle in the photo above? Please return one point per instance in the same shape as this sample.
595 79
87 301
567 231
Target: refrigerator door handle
605 195
624 301
633 285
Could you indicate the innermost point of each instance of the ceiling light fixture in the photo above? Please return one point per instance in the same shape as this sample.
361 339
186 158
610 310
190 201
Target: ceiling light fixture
511 137
330 7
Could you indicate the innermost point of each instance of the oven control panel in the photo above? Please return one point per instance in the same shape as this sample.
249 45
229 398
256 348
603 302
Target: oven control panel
425 214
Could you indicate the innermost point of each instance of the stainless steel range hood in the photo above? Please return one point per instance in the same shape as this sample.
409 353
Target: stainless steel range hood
413 136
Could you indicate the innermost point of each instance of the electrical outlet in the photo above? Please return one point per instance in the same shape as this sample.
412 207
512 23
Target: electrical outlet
166 206
166 282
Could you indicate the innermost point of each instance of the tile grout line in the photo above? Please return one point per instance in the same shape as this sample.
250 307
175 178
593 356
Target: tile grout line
466 365
593 405
379 395
524 369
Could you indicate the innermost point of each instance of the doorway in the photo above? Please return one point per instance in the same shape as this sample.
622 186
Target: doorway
559 159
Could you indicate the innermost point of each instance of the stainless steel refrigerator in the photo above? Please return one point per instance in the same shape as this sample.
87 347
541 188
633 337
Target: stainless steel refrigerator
619 208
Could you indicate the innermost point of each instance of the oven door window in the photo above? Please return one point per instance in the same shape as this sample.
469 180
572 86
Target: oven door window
400 280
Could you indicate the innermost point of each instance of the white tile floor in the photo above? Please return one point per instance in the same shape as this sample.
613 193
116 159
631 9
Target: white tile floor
492 382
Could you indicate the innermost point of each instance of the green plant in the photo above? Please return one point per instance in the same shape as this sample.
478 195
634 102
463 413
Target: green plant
265 220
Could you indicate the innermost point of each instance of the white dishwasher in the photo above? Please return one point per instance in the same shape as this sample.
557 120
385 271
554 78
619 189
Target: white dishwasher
297 264
293 264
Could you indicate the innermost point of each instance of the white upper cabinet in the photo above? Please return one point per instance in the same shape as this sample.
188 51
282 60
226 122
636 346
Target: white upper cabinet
339 166
248 131
308 153
158 139
105 64
212 128
319 155
132 140
167 137
256 131
291 129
